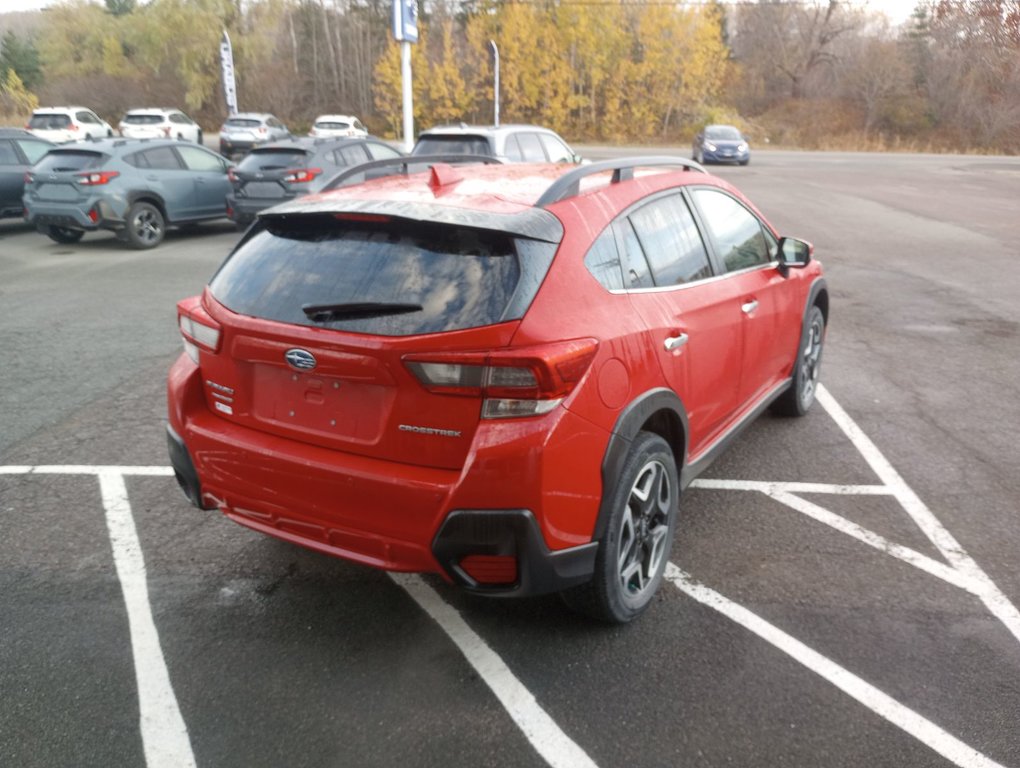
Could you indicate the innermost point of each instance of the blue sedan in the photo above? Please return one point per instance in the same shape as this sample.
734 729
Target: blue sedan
721 144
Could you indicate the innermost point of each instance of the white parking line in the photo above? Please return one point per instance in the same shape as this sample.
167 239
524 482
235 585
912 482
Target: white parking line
555 747
164 735
871 697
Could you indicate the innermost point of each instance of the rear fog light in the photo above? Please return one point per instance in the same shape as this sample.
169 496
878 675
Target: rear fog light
94 215
490 569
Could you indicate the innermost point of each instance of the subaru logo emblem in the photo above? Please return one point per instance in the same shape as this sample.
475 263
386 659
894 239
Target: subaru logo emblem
259 176
301 359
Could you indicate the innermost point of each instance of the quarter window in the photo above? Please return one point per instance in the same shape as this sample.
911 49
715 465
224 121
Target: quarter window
738 235
603 261
671 242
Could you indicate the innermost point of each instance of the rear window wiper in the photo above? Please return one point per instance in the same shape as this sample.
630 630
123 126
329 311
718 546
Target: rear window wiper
324 313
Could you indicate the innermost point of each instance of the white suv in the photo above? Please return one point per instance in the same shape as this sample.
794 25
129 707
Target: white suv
159 123
63 124
337 125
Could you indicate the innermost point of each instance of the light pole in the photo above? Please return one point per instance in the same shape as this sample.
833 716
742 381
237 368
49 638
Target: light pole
495 85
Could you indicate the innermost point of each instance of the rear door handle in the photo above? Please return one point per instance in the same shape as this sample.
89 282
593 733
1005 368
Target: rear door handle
749 307
675 342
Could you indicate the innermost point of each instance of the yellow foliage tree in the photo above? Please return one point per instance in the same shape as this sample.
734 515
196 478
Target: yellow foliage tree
16 101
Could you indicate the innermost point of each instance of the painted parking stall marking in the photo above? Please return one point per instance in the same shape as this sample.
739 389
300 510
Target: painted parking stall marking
165 735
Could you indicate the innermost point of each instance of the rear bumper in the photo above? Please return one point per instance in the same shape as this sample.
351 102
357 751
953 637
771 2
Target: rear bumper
42 214
393 516
244 209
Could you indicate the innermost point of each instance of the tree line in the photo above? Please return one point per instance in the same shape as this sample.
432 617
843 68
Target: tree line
822 74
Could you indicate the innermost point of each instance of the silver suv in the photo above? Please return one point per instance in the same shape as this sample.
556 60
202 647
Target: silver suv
135 188
510 143
246 130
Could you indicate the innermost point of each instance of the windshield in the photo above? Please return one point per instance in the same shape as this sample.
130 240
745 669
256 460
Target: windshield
62 160
49 122
243 122
392 278
457 145
723 133
273 160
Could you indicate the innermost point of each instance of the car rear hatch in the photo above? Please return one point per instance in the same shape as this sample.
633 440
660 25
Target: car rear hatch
363 333
453 144
273 173
244 129
66 175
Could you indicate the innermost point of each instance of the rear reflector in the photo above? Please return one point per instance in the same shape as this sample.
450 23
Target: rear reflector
490 569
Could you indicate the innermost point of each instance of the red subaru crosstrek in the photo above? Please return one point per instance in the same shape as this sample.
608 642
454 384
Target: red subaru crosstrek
501 374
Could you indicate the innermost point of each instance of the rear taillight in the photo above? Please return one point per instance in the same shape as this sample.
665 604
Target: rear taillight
199 330
262 129
166 130
528 381
94 179
73 127
301 175
29 178
231 176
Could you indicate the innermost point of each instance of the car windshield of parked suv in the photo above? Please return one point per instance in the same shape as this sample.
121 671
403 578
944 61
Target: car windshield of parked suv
63 160
243 122
49 122
723 133
458 145
392 278
272 159
143 119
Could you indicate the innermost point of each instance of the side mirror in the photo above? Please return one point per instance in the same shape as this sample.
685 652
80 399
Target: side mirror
794 253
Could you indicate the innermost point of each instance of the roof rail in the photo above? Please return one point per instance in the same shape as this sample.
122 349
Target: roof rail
374 169
569 184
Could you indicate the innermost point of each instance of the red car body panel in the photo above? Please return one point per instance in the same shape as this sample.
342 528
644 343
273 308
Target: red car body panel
358 459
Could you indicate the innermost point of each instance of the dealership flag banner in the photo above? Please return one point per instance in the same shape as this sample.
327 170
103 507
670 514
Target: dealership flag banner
227 65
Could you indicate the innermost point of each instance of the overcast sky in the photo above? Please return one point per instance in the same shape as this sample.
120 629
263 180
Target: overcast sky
896 10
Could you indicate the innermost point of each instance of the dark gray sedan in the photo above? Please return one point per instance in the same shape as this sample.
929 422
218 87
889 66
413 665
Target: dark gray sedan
135 188
19 151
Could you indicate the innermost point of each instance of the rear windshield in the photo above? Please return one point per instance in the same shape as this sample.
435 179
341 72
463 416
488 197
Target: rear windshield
143 119
49 122
273 160
243 122
461 278
459 145
59 160
333 126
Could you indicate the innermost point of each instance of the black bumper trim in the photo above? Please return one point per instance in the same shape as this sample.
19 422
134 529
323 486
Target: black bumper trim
510 532
184 469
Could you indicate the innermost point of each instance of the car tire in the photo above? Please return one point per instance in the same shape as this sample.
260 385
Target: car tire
63 235
145 226
797 400
635 548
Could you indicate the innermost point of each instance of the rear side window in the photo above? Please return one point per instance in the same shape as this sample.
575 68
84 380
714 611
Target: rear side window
461 278
531 148
159 158
62 160
459 145
273 160
380 151
49 122
350 155
669 237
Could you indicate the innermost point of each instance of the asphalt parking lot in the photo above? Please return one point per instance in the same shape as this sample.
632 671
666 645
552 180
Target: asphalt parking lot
843 588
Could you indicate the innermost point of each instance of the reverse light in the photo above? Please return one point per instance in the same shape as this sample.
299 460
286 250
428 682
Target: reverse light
198 329
301 175
528 381
95 179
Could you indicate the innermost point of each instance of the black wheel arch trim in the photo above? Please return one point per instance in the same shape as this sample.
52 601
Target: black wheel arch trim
150 197
629 423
